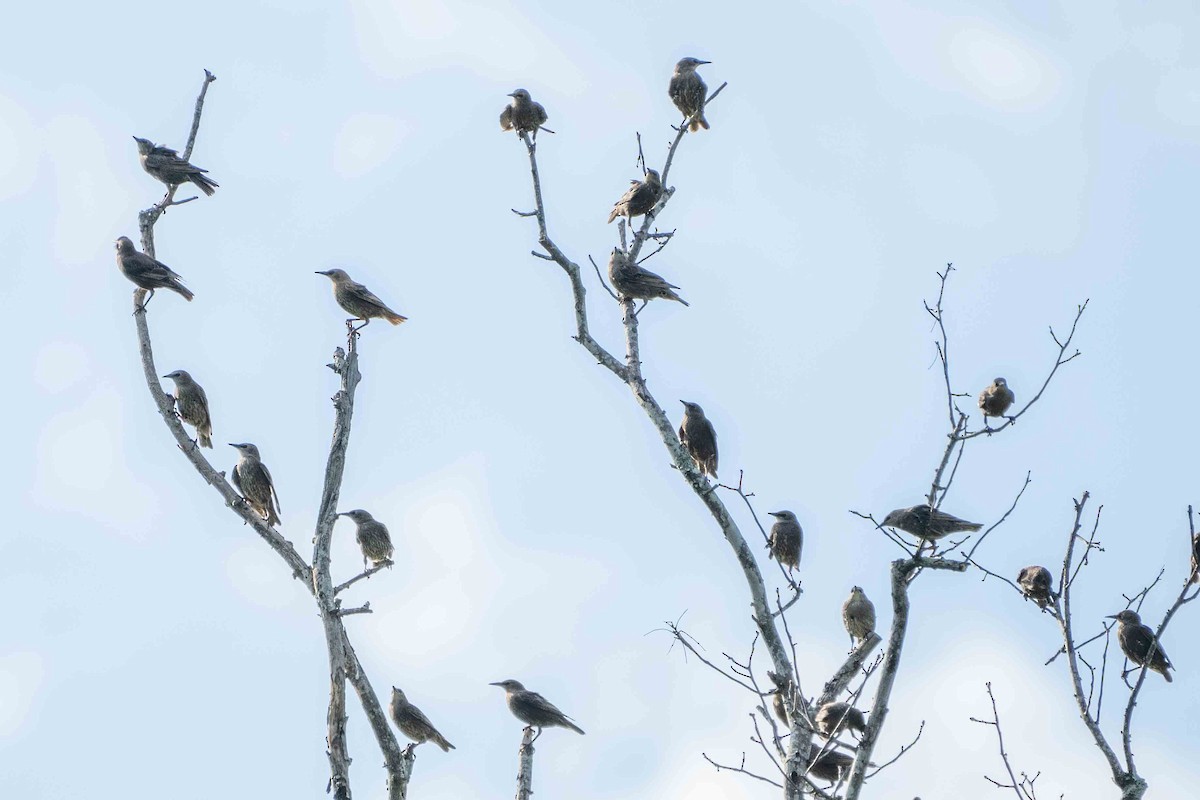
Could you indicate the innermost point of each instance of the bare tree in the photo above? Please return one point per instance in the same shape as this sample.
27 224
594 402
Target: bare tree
344 665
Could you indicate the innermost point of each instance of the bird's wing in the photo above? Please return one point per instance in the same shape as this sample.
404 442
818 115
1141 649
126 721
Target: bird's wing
540 113
543 704
152 268
237 479
363 293
164 158
267 474
506 123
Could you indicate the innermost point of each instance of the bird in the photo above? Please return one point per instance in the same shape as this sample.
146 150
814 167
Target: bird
836 716
522 114
1137 640
165 165
782 686
787 539
192 405
533 709
148 273
1196 559
697 436
640 198
858 615
632 281
372 536
928 523
995 399
413 723
253 480
1036 584
688 92
830 765
358 300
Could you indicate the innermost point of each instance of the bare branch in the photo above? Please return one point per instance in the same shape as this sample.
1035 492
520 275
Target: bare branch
362 576
1013 783
742 769
525 764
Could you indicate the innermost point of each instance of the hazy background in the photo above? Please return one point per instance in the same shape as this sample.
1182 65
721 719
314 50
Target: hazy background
153 646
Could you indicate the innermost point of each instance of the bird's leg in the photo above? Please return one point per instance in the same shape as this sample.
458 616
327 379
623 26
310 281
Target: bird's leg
535 736
146 302
644 304
408 751
366 322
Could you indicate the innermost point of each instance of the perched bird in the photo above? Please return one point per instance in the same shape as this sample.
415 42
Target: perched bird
522 114
1036 584
164 164
830 766
414 724
533 709
928 523
837 716
1196 559
787 539
640 198
996 398
372 536
147 272
630 280
858 615
697 436
1137 640
358 300
192 405
252 479
688 92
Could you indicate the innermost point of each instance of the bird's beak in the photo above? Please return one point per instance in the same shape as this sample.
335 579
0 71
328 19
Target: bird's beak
135 138
775 513
497 683
231 444
166 376
1111 616
684 402
319 272
510 94
705 62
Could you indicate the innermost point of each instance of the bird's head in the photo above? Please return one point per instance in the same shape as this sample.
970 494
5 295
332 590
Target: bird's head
1000 383
784 516
246 449
894 518
1127 617
144 146
689 64
334 274
398 695
520 95
178 375
509 685
124 244
652 177
692 408
358 515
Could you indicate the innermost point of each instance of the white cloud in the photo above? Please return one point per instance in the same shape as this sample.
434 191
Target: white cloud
253 572
89 198
364 142
60 365
1002 70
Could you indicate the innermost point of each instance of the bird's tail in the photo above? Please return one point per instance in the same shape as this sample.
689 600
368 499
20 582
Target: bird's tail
393 317
698 122
579 730
441 742
1166 673
272 517
615 213
205 438
176 286
710 466
674 296
208 185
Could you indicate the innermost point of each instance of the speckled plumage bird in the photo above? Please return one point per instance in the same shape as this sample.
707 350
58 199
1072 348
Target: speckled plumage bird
996 399
928 523
533 709
372 537
358 301
192 405
688 92
631 280
837 716
522 114
858 615
1137 641
639 199
787 539
147 272
830 766
1037 584
699 438
413 723
165 165
253 480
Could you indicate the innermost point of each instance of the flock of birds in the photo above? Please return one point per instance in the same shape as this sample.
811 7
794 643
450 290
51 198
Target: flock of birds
696 433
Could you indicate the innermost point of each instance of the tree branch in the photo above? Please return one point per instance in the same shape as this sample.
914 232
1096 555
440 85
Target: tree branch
525 764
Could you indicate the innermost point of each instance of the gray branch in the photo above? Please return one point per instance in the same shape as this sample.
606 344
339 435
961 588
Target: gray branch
525 763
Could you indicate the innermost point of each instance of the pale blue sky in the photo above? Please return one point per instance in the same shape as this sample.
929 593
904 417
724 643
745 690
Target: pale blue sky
152 644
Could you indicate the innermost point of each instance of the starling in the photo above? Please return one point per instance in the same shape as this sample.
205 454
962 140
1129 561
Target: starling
858 615
830 766
1036 584
640 198
996 398
688 92
372 536
522 114
837 716
146 272
414 724
928 523
252 479
1196 559
630 280
192 405
1137 640
787 539
696 434
358 300
533 709
165 164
